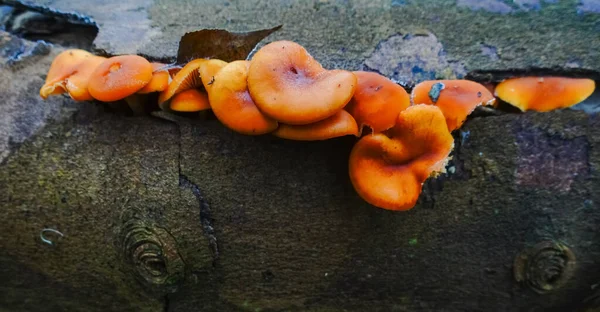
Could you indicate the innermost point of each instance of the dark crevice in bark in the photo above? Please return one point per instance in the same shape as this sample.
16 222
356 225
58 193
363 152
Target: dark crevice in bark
185 183
494 76
166 304
35 22
205 215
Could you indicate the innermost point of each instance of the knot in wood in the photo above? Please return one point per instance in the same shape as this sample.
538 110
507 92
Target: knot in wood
545 267
152 253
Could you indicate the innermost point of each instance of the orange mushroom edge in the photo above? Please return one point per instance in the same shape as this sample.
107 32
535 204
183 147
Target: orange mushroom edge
192 100
340 124
186 78
160 79
232 104
457 99
388 171
290 86
377 102
70 72
544 94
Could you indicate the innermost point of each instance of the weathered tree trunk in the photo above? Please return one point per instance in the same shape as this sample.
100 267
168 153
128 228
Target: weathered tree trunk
203 217
107 212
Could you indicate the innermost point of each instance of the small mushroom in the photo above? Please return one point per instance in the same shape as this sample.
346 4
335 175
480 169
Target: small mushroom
232 104
70 72
377 101
544 94
63 66
192 100
456 98
208 70
186 78
159 81
340 124
290 86
119 77
388 171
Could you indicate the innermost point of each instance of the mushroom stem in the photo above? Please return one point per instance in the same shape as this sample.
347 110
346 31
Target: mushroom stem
136 103
204 114
115 106
165 106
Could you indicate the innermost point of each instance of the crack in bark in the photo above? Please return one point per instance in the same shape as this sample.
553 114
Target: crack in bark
167 304
205 215
204 211
489 76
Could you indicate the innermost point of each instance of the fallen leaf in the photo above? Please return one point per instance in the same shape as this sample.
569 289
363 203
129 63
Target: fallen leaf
220 44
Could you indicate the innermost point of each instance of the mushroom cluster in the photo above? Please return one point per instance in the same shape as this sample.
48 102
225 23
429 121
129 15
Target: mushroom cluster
283 91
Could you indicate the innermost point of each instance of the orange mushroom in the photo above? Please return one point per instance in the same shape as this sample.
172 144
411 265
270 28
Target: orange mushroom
191 100
186 78
544 94
456 98
338 125
70 72
208 70
388 172
377 101
119 77
232 104
290 86
63 66
159 81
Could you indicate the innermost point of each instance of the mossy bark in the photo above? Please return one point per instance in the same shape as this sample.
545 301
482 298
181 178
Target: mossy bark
261 223
187 215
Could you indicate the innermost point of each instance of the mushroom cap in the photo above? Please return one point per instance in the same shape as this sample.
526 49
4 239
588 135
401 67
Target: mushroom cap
119 77
456 98
78 84
377 101
208 70
338 125
192 100
388 172
544 94
159 81
63 66
290 86
185 79
232 104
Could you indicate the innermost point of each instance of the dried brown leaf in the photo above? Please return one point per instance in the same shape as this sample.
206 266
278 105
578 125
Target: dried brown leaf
220 44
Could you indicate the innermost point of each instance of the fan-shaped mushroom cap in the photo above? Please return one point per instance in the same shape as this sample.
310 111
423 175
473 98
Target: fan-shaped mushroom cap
232 104
377 101
340 124
388 172
456 98
544 94
119 77
208 70
70 72
290 86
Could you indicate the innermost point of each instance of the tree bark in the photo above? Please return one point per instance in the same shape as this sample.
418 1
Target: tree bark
193 215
